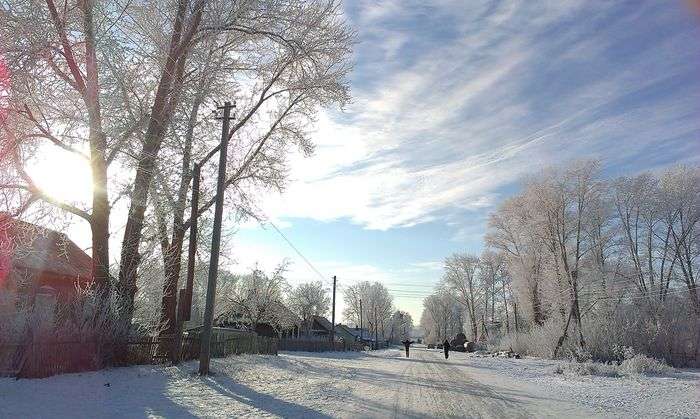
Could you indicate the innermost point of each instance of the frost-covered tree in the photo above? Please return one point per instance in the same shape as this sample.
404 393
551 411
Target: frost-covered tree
121 86
461 275
621 253
281 62
377 306
495 283
401 325
254 298
442 316
308 300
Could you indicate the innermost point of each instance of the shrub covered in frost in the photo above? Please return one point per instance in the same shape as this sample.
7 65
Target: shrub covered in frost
642 364
638 364
587 368
538 341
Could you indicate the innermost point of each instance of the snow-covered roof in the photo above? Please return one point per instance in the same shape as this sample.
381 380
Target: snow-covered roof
323 322
36 248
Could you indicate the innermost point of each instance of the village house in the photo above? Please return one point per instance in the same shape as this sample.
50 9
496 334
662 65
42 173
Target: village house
37 261
281 322
344 333
320 327
356 333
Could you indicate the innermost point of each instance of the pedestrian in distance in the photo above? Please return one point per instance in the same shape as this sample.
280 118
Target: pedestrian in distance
446 348
407 344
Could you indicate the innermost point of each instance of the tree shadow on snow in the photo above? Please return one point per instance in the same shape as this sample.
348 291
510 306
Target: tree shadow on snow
136 392
246 395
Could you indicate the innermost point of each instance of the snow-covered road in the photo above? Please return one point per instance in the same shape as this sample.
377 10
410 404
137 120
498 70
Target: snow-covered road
380 384
428 385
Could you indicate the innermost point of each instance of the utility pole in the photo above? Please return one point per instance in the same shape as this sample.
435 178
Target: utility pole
376 330
361 333
205 343
333 316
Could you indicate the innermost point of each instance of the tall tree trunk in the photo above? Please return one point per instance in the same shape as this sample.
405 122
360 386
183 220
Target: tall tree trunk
538 316
167 96
505 304
172 258
577 313
99 222
173 261
565 332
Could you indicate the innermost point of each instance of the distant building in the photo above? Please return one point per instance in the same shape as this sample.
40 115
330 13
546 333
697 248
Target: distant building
344 332
320 326
283 322
357 333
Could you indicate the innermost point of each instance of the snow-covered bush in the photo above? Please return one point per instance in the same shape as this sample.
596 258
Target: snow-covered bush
538 341
642 364
587 368
619 333
638 364
577 354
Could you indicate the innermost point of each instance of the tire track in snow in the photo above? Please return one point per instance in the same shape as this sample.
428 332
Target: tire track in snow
401 392
433 387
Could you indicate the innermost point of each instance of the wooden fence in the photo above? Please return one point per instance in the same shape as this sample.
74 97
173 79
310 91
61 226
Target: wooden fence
44 359
317 345
244 344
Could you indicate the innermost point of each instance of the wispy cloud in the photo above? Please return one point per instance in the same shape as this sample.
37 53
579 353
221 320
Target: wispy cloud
454 104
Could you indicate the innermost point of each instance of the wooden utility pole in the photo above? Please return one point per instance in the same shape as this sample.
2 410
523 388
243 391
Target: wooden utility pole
333 315
376 330
205 342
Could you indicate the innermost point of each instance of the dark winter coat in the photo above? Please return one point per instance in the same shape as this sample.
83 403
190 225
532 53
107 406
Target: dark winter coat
407 343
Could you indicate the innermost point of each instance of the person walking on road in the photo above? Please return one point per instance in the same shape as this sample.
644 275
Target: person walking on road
446 348
407 344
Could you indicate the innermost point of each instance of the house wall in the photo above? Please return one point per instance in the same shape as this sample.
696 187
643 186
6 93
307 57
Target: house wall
25 284
344 334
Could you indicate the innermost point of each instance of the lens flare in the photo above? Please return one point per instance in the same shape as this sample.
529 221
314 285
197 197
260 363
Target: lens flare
4 88
5 249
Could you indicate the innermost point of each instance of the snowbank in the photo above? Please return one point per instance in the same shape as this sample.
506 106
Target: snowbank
608 391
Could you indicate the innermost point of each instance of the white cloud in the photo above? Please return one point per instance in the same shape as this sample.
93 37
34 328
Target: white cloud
444 133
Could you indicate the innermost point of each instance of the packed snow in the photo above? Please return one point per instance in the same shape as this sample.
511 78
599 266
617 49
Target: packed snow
375 384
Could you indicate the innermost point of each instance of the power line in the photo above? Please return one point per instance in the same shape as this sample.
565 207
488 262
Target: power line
289 242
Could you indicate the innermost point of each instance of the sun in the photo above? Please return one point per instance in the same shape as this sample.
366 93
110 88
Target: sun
62 175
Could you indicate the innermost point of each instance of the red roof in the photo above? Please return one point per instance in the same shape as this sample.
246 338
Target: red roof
28 246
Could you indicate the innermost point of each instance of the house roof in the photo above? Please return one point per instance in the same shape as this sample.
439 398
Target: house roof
32 247
355 331
343 329
323 322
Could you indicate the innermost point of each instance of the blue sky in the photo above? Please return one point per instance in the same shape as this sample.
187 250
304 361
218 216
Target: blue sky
454 102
